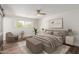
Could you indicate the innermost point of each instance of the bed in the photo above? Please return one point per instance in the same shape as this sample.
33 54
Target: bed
50 40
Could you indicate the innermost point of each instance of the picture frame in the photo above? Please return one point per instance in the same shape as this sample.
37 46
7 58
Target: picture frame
56 23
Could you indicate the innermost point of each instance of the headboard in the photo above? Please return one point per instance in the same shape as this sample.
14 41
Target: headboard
61 32
55 30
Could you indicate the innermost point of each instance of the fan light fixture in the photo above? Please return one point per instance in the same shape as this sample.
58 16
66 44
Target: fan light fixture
39 13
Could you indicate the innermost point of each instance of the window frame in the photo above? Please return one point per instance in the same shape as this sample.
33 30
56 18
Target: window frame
24 26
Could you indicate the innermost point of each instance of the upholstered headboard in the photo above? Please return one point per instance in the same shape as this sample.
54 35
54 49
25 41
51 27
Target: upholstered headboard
55 30
59 32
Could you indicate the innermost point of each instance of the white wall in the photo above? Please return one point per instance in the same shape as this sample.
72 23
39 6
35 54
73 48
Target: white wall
70 20
9 25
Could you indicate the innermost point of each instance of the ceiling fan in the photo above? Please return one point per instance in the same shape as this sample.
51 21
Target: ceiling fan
40 13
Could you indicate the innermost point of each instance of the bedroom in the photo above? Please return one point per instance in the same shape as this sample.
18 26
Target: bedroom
38 15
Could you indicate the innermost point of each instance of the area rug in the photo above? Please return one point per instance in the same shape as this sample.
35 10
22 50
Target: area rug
13 50
16 48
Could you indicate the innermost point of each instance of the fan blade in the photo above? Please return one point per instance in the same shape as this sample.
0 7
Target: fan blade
43 13
39 12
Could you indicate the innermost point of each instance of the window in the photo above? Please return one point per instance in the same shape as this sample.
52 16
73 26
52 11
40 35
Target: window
24 24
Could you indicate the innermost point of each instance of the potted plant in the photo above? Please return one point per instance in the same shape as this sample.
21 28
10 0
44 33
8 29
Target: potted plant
35 31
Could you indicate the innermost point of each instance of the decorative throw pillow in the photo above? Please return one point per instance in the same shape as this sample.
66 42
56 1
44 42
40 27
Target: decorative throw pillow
56 33
49 32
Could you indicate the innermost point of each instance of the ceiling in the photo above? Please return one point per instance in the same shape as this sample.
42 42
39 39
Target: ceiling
29 10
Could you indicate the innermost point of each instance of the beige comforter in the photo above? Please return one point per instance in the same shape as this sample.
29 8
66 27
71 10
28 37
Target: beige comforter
51 41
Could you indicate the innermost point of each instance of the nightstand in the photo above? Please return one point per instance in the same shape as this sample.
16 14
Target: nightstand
69 40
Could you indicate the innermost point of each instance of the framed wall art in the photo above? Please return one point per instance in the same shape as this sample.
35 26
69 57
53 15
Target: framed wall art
56 23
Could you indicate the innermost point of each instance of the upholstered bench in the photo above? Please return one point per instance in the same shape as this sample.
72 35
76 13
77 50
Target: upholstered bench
34 45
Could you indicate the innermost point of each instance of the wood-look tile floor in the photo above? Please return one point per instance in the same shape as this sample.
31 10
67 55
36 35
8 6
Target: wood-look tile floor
16 48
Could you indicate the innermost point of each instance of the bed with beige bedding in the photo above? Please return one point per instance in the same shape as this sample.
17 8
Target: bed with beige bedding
50 42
